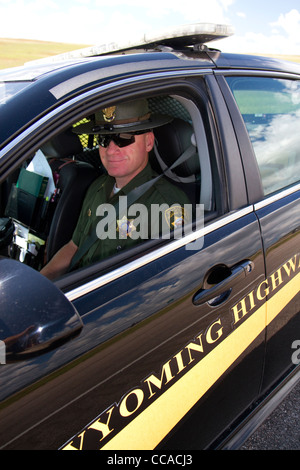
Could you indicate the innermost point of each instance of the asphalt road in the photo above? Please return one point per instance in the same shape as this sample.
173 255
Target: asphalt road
281 430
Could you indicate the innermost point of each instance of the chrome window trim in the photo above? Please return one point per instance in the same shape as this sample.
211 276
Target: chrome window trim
88 94
256 72
160 252
276 197
59 91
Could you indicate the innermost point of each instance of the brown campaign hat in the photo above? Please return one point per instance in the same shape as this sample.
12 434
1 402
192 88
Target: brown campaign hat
132 116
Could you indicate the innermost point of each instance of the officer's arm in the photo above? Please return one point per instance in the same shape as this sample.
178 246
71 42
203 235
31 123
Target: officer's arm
60 262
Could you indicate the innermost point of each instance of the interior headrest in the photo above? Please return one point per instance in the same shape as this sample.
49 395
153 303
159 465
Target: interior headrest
63 145
171 142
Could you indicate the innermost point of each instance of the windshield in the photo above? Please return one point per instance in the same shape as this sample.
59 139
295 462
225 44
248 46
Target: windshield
9 89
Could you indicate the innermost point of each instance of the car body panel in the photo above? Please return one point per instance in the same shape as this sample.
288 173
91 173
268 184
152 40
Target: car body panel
278 215
180 338
125 356
284 246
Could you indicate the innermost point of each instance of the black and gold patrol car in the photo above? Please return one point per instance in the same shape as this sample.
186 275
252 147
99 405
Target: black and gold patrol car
180 342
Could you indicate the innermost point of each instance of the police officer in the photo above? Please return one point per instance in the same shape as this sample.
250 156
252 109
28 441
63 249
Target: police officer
125 140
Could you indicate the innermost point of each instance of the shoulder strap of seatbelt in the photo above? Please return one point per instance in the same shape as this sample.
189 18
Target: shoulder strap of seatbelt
133 196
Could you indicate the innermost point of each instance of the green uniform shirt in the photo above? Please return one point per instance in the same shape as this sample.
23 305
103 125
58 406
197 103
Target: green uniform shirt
126 230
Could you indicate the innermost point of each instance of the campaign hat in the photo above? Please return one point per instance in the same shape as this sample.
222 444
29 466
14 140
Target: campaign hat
132 116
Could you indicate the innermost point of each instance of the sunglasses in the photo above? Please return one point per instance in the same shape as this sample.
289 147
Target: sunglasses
121 140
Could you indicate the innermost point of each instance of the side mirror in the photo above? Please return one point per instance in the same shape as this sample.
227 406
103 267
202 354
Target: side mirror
35 316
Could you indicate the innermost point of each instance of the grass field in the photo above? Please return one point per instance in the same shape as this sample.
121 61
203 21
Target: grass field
15 52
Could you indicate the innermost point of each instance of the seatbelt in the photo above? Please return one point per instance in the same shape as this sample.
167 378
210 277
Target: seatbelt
133 196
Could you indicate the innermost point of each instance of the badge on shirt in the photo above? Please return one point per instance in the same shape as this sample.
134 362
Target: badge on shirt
125 227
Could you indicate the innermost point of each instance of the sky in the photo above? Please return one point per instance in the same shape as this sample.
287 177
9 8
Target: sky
261 26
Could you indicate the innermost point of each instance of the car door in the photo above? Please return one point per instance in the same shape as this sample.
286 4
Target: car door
269 105
166 343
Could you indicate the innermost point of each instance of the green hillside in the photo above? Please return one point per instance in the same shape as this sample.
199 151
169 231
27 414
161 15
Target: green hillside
15 52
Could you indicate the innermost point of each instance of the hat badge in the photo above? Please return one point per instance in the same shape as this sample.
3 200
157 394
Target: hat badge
109 114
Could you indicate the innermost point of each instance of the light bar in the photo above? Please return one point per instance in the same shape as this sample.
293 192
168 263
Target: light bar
177 37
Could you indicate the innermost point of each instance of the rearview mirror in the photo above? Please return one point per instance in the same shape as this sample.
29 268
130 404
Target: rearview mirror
35 315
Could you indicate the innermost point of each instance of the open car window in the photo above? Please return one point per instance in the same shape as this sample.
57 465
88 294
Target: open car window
42 200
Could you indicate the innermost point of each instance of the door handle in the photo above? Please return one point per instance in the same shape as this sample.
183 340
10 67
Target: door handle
215 293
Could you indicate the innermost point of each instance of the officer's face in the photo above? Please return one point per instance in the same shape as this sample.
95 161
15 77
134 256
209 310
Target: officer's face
124 163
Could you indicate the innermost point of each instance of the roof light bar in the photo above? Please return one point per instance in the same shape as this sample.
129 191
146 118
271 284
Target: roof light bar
177 37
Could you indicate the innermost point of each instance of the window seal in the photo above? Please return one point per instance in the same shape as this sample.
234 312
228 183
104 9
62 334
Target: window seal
74 294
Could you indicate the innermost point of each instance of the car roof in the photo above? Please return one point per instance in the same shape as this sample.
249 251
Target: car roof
54 79
201 59
182 43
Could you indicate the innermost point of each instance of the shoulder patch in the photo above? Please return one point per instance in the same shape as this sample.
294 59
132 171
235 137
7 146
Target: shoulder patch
176 216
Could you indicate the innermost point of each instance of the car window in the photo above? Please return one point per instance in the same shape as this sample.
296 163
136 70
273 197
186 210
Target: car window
43 198
270 108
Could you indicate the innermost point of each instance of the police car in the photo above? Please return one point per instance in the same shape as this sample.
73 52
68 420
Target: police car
182 342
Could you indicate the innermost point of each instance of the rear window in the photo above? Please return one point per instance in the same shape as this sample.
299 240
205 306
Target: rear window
270 108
